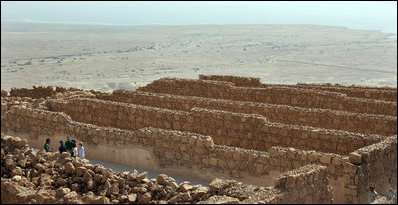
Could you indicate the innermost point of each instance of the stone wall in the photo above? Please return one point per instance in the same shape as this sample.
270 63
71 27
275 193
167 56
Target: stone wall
307 184
275 95
385 88
207 137
39 91
189 149
247 131
290 158
36 92
376 165
237 81
197 152
377 93
322 118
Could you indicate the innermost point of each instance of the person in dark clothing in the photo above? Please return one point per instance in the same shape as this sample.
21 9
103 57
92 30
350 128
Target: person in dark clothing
62 148
47 145
73 143
68 144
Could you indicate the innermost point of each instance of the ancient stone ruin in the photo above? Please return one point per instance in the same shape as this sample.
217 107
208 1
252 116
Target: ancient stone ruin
255 143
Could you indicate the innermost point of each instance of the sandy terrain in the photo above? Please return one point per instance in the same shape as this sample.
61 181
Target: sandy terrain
112 57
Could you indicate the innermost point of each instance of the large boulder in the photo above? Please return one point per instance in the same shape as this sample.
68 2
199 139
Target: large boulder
61 182
75 187
69 168
91 185
17 171
72 197
114 190
131 198
60 192
162 179
80 171
142 176
40 168
218 184
145 198
185 186
87 177
98 200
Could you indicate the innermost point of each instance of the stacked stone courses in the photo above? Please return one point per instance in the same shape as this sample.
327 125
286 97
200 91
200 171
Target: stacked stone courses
377 93
232 129
299 97
312 143
188 148
325 118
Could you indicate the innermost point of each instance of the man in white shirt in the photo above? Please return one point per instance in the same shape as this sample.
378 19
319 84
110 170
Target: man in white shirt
81 150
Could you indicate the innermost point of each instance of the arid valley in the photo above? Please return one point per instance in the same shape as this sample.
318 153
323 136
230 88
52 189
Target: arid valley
105 57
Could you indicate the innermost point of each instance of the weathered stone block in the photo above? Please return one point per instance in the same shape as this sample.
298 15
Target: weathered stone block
355 158
326 159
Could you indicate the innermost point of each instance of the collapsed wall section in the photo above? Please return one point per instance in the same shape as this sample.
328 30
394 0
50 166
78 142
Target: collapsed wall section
328 119
247 131
275 95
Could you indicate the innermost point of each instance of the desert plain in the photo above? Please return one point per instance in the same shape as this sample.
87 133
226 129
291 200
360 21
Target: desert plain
109 57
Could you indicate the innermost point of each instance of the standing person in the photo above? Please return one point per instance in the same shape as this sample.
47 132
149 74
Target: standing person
73 146
68 144
62 148
372 194
74 150
81 150
47 145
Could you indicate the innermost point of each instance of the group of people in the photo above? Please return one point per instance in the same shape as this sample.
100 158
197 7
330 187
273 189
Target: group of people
69 146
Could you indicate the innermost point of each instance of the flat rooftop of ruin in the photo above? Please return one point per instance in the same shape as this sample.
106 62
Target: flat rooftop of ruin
225 127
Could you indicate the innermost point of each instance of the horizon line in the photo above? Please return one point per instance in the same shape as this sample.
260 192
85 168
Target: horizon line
162 24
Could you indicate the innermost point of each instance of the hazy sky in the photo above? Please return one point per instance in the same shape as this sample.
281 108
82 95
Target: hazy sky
354 15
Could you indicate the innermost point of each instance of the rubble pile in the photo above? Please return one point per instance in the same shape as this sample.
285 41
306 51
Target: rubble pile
31 176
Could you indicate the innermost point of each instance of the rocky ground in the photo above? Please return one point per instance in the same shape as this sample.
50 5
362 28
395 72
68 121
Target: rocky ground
151 174
28 176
